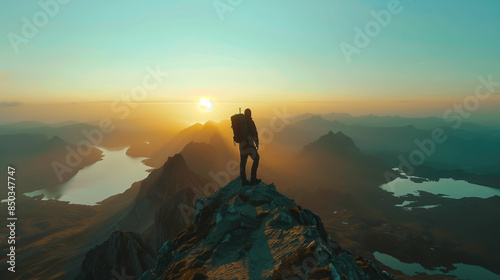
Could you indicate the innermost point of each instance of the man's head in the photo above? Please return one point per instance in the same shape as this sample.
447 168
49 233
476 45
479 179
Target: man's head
248 113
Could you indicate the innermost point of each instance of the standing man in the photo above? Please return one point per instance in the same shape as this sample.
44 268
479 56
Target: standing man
249 147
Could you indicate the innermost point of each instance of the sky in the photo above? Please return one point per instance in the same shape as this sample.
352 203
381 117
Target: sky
266 51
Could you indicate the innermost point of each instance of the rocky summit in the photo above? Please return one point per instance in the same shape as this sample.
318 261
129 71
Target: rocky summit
256 232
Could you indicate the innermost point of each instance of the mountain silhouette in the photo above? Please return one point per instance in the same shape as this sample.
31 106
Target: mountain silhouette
334 160
367 138
472 149
334 144
200 133
205 158
168 185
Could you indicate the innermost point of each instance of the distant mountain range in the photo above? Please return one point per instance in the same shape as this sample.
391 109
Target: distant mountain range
333 164
470 151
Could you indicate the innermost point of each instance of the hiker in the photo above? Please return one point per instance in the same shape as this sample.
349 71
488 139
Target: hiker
249 147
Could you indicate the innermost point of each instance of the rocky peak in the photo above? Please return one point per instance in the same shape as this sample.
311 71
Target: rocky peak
256 233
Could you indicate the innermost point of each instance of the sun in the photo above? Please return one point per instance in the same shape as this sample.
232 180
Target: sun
206 104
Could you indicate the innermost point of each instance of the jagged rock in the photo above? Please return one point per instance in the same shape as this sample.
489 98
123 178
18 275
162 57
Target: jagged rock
165 202
256 233
123 254
162 208
165 256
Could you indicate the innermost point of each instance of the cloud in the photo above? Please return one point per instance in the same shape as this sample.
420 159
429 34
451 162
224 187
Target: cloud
10 104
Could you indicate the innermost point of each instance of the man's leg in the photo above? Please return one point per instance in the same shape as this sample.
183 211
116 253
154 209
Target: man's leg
243 164
256 158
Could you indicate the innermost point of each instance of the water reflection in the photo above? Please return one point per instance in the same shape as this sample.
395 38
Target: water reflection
449 188
114 174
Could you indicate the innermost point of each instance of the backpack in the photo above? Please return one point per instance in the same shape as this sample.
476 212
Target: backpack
240 128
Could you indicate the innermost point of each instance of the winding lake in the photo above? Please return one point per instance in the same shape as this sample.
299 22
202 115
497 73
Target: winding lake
462 271
114 174
448 188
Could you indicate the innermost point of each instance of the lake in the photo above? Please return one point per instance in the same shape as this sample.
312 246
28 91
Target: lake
114 174
462 271
448 188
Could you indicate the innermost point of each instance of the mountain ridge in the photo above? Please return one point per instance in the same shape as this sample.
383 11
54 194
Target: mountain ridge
160 188
256 233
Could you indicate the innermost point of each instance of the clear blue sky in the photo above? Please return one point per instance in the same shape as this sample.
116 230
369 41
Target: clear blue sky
97 50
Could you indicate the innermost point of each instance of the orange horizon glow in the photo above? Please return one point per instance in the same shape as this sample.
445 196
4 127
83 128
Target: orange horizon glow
192 112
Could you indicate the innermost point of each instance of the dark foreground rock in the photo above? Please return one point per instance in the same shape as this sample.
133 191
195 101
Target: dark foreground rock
256 233
123 254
